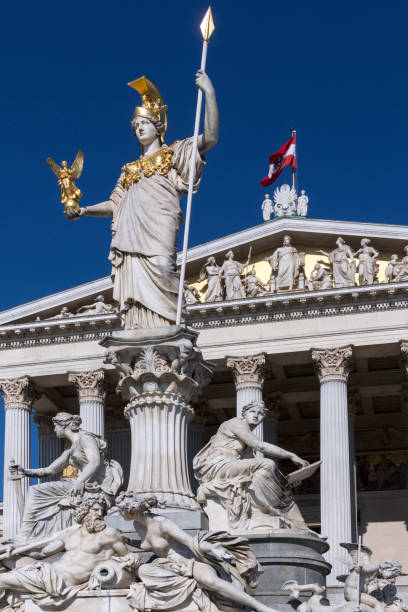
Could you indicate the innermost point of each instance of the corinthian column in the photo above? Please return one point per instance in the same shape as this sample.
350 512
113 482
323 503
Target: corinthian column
354 402
91 390
333 367
49 446
248 373
18 396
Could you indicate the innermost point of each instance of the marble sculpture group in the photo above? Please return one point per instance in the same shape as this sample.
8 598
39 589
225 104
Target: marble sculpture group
84 542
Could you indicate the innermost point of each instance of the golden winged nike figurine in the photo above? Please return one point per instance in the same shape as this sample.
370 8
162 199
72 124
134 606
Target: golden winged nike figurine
70 194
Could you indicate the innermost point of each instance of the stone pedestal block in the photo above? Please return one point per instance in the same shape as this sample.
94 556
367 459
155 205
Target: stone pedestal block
287 556
160 371
113 600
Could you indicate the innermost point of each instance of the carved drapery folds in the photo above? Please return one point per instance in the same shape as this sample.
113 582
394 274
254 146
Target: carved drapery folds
91 385
248 371
18 392
333 364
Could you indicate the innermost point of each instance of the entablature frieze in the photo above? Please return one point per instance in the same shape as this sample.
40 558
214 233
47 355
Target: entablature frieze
284 306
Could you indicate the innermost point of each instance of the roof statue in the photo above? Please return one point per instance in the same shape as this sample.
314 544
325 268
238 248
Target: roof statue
285 199
286 203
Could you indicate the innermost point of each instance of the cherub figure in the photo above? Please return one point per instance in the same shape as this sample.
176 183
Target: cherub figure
70 194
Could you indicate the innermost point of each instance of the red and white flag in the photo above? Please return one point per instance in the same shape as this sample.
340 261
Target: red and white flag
286 156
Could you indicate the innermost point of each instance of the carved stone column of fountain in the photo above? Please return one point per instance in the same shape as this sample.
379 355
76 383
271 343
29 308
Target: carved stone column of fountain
160 372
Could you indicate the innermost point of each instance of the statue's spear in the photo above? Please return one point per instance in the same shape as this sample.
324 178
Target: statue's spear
207 28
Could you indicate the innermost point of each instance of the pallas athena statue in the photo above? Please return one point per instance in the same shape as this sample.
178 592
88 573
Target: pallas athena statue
146 211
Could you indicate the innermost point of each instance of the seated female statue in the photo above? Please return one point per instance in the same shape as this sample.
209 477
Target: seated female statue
49 506
253 492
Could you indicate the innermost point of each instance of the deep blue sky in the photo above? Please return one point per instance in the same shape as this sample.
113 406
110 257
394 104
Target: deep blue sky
336 71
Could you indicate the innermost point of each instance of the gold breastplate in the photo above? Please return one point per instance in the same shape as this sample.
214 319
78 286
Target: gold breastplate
160 161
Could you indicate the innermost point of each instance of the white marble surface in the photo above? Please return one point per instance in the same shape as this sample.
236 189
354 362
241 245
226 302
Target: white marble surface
91 601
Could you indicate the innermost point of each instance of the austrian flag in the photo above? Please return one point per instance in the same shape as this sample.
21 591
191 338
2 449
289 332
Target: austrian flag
286 156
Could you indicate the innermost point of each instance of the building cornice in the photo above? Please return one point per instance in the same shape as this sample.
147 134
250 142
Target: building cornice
249 311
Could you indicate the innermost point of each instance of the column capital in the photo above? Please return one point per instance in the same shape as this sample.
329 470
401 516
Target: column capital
248 371
274 404
18 392
91 386
334 363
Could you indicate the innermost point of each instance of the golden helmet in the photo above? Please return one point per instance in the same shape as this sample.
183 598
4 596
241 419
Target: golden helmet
153 106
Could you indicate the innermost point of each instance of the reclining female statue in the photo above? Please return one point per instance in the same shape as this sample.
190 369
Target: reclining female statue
220 572
253 492
48 508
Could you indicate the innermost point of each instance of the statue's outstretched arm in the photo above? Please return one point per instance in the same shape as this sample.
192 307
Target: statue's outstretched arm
209 138
53 548
243 432
54 468
103 209
170 530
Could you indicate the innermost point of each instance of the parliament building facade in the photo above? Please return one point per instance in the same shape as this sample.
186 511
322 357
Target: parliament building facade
330 362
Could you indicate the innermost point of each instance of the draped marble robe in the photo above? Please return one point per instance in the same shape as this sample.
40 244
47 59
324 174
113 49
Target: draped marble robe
146 220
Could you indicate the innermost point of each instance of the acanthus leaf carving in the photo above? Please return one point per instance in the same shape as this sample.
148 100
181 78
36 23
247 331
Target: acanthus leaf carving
333 364
248 371
90 385
18 392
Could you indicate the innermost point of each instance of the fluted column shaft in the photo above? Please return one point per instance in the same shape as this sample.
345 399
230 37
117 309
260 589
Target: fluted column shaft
333 366
91 390
249 374
353 403
119 448
49 446
195 442
158 429
18 395
274 404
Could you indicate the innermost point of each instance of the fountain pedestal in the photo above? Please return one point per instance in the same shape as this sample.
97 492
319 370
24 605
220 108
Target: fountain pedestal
160 371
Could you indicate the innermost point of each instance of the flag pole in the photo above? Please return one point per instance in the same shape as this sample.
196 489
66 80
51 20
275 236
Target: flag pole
294 169
207 28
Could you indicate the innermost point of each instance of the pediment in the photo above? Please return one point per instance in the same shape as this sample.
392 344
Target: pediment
309 235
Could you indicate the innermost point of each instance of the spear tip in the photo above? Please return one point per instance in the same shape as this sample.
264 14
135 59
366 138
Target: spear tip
207 26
